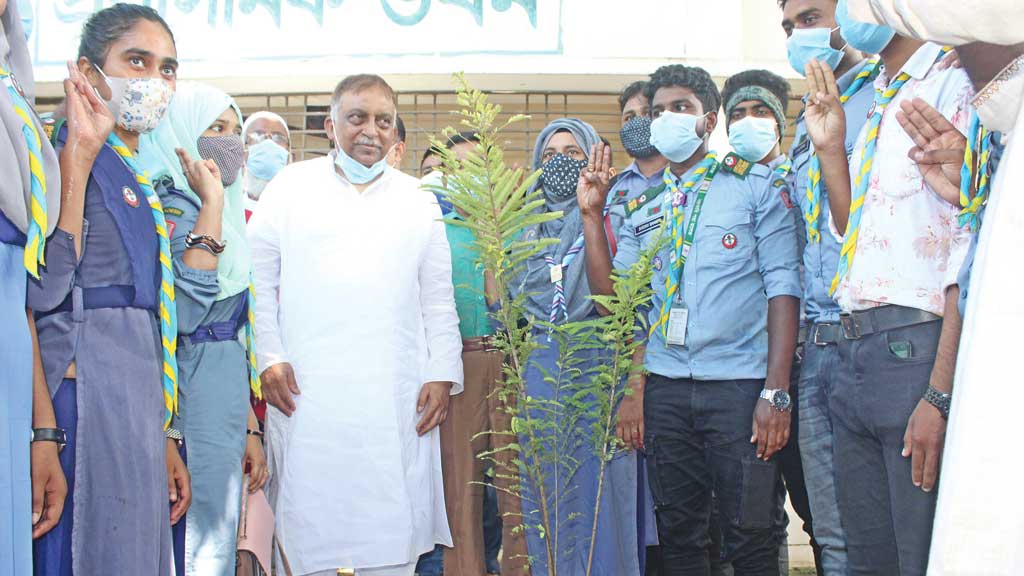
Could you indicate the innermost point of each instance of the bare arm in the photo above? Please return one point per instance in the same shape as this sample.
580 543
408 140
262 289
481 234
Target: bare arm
825 120
204 178
592 195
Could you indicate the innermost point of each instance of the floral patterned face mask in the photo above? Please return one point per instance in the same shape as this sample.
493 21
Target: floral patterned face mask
138 104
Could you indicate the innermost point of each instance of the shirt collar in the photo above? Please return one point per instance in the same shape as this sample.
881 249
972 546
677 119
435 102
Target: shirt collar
782 159
919 65
632 168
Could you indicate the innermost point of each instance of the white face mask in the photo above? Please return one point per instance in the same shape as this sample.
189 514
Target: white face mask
999 102
138 104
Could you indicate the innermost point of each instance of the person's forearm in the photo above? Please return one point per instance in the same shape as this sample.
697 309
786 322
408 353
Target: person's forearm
835 171
74 177
949 344
598 257
42 405
208 223
783 329
253 423
637 376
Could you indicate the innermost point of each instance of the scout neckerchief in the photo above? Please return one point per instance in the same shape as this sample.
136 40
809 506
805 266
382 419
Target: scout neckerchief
250 342
862 180
35 243
557 271
975 172
782 171
868 73
168 309
680 242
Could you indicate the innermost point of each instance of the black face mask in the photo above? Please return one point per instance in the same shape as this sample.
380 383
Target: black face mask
560 176
636 137
227 152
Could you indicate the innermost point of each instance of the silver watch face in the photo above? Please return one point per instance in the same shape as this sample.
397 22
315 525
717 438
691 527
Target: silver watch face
781 400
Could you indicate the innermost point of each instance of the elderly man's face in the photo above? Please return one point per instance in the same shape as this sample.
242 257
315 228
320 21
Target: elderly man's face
262 129
363 125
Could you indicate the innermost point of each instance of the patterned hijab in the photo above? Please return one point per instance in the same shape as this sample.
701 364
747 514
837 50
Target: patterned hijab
14 167
195 108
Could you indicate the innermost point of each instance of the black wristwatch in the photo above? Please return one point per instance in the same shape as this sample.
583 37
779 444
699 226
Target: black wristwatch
778 398
940 400
50 435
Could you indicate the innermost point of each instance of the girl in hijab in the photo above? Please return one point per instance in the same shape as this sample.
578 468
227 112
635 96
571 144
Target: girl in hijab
195 156
104 305
557 290
29 204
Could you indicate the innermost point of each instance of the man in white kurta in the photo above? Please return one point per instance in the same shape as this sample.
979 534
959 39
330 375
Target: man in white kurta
355 299
978 525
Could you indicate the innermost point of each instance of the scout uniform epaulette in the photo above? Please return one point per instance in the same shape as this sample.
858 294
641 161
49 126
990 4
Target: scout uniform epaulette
737 166
640 201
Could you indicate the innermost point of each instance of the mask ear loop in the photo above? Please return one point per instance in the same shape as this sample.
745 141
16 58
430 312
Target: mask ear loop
840 35
106 80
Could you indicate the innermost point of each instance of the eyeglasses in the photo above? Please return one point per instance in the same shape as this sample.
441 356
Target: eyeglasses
257 136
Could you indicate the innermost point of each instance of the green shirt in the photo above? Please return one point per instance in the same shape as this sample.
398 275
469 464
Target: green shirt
468 278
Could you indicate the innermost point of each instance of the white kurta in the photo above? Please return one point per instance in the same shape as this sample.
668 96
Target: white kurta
354 290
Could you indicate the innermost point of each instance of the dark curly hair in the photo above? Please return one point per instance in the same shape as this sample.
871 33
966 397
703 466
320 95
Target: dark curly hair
774 83
630 91
696 79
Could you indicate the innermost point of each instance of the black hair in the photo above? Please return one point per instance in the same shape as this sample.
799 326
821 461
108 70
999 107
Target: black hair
110 24
400 127
360 82
462 138
695 79
770 81
431 151
631 91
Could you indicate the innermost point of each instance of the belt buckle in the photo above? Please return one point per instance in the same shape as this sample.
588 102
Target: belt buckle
817 333
849 324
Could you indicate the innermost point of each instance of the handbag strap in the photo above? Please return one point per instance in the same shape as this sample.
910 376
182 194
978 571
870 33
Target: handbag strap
284 557
243 524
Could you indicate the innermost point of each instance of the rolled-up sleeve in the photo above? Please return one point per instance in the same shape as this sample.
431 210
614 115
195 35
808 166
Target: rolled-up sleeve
265 249
58 275
195 290
437 305
777 247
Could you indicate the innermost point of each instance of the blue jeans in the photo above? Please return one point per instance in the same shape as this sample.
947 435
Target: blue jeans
698 441
817 383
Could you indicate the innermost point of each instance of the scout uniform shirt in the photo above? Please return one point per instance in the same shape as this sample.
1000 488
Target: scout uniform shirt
821 259
744 253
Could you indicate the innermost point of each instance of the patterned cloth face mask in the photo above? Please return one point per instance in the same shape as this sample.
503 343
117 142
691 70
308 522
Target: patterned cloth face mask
225 151
138 104
560 176
636 137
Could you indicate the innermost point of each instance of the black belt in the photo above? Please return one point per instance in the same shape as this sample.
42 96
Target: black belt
821 334
856 325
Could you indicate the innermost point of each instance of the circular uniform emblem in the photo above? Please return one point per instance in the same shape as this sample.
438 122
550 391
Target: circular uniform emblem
130 197
729 241
657 263
730 161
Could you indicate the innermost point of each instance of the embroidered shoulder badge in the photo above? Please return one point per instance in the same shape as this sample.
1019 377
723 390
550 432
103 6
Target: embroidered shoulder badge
736 165
642 200
172 211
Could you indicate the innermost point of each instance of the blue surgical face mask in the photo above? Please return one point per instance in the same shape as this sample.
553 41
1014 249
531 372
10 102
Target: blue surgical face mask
675 135
753 138
805 44
869 38
355 171
266 159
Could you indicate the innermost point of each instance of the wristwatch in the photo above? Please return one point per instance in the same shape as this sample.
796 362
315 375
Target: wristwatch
50 435
778 398
940 400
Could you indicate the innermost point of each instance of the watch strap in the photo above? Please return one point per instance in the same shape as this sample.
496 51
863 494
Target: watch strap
50 435
940 400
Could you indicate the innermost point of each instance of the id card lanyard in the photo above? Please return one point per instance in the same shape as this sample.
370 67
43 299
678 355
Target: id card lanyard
675 313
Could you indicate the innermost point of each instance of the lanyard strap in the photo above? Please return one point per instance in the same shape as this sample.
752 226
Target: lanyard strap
975 173
862 178
682 243
35 237
814 191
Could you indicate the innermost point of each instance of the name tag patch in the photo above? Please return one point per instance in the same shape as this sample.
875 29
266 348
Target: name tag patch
803 147
647 226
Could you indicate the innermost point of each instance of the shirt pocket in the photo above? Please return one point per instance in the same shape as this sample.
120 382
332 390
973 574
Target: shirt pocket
727 238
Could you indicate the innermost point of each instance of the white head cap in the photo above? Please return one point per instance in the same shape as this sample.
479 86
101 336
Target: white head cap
266 116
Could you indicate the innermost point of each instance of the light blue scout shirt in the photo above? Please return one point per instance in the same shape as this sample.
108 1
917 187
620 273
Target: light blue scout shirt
744 253
821 259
